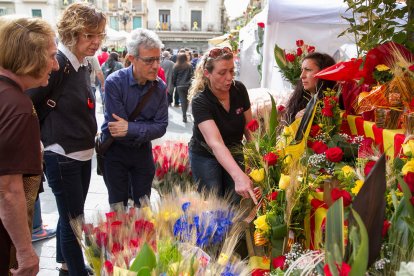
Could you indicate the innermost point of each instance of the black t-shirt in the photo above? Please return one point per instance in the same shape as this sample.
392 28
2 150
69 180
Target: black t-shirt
205 106
20 134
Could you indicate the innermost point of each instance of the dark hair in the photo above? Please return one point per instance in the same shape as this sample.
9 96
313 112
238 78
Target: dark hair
298 100
104 49
182 61
112 60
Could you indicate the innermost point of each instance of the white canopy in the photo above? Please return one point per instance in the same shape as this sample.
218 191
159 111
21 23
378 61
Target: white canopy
114 36
317 22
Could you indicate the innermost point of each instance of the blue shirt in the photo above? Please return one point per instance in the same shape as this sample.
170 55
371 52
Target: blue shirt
122 95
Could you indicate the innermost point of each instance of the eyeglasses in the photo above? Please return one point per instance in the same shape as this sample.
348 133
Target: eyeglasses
217 52
91 37
150 60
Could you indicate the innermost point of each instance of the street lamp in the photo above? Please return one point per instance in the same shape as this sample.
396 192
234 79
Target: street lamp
125 17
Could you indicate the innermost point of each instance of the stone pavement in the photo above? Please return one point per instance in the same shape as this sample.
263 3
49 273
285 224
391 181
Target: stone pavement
97 199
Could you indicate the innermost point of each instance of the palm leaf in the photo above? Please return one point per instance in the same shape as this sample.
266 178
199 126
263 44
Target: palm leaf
370 205
360 262
273 122
334 239
280 57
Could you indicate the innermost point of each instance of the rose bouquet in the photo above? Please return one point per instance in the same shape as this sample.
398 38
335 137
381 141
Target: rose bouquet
172 165
290 62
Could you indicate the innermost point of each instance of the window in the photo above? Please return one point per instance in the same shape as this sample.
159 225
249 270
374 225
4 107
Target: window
3 11
113 5
196 20
137 5
165 20
36 13
113 22
137 22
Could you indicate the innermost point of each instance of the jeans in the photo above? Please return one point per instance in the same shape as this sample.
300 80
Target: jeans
69 180
210 175
129 166
183 93
37 216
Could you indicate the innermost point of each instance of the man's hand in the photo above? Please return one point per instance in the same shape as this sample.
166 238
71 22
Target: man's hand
28 263
118 128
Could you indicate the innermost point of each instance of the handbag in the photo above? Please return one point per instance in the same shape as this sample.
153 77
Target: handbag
102 146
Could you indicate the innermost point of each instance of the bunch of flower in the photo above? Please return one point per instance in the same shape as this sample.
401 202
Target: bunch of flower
290 62
171 165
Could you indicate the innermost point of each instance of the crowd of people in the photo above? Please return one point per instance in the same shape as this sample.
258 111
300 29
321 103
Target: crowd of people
47 110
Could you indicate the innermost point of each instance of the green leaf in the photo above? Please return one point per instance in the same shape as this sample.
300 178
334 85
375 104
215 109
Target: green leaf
144 259
407 196
273 122
280 57
360 263
334 239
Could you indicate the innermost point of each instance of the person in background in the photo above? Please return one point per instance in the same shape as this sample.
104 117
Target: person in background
182 74
194 61
20 150
308 85
129 160
96 73
39 231
69 129
102 57
111 65
221 110
161 74
168 65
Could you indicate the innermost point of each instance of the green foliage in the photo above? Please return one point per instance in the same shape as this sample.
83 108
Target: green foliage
359 243
376 21
334 239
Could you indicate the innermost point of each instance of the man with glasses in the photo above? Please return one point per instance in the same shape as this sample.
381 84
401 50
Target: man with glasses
129 161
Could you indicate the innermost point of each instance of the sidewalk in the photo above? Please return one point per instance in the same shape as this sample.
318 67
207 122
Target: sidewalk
97 199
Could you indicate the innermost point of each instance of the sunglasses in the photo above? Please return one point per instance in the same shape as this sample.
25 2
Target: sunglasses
149 60
218 52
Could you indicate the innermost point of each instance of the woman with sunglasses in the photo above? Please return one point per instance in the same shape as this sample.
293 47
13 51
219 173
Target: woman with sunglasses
68 128
221 109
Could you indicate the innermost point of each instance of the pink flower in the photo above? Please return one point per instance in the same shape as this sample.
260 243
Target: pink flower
319 147
270 158
334 154
338 193
299 52
299 43
261 24
279 262
311 49
290 57
253 125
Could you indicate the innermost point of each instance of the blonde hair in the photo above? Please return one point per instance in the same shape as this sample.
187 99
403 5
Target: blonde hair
200 81
77 18
24 44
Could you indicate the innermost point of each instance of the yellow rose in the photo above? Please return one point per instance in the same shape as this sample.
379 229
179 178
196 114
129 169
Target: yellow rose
284 181
348 170
357 187
408 148
261 224
257 175
382 67
408 167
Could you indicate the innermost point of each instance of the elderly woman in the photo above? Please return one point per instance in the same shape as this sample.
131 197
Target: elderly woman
221 109
68 125
308 85
20 155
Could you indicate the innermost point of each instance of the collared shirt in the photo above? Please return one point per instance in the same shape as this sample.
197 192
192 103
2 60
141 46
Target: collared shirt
122 95
71 57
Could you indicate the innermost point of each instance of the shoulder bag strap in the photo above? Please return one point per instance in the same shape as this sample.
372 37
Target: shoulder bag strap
142 103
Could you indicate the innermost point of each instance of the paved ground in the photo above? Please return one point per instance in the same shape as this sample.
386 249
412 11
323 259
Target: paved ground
97 199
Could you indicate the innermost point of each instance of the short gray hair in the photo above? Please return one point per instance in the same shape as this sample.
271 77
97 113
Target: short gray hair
142 37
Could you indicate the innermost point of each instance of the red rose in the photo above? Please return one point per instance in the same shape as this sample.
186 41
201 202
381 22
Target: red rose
311 49
326 111
109 267
116 247
309 143
327 102
368 167
411 68
409 179
181 169
281 108
338 193
299 43
270 158
159 173
261 24
279 262
290 57
272 196
385 227
334 154
253 125
260 272
314 131
319 147
299 52
343 270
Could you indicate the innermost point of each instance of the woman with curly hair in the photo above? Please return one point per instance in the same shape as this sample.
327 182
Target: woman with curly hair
66 110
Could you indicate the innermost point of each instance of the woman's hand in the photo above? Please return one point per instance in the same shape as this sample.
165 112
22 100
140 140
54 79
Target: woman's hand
119 128
243 186
300 114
